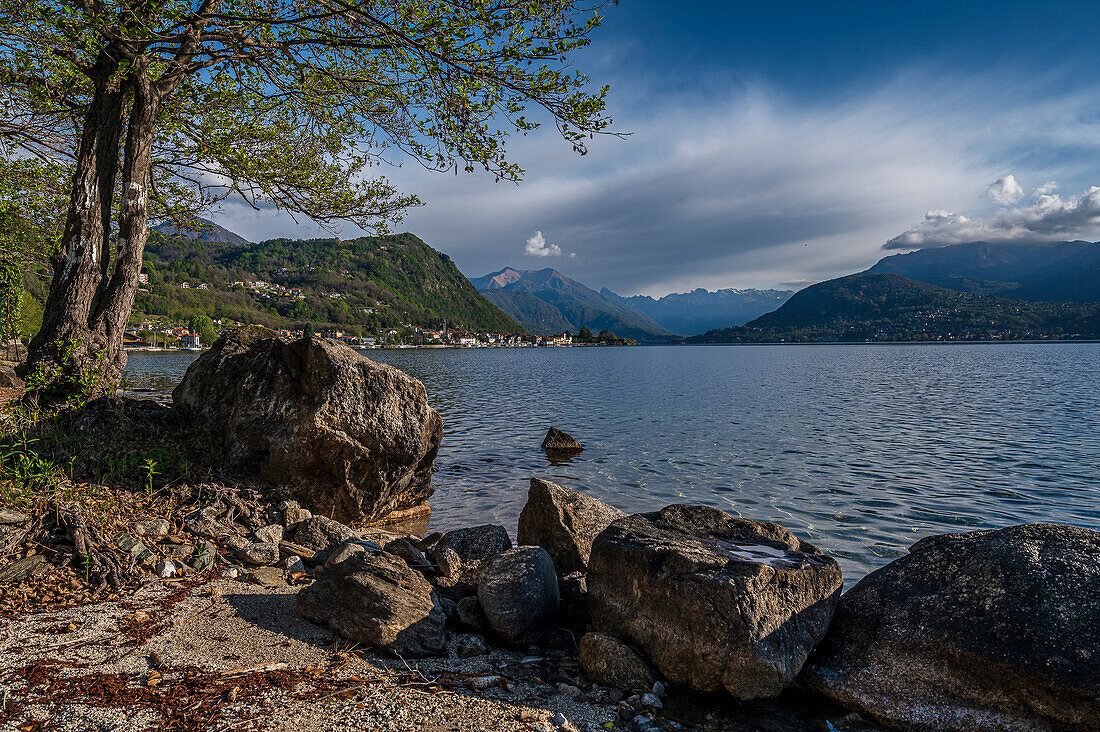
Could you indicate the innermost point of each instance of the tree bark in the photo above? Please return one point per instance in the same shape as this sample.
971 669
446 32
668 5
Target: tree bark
79 351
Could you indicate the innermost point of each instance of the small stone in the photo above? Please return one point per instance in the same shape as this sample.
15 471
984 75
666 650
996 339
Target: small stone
659 689
205 555
166 568
205 523
480 683
271 534
267 577
294 516
264 554
569 690
290 549
230 573
412 556
559 720
528 715
642 722
294 565
22 569
557 440
471 646
132 546
615 695
288 505
651 701
12 517
157 527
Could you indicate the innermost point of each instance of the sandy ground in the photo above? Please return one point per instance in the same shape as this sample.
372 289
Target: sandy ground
227 625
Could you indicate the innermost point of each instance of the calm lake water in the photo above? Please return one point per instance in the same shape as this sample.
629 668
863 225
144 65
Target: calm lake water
860 449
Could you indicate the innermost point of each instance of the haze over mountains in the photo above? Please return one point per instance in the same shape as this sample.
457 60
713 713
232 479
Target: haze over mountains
701 310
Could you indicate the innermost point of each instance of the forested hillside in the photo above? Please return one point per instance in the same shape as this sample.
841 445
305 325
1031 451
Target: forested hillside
360 286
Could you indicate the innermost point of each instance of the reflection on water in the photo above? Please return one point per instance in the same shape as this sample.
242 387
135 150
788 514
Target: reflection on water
862 450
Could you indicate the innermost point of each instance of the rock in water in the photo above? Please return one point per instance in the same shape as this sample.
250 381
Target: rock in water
989 630
557 440
610 662
564 523
712 600
518 591
352 438
376 599
459 555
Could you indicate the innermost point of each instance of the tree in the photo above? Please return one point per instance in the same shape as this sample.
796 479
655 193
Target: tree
165 108
203 326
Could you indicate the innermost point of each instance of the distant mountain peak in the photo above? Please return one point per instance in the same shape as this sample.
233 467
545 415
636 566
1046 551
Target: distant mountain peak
201 230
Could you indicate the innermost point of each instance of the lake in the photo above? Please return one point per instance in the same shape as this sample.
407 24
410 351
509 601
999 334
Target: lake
862 450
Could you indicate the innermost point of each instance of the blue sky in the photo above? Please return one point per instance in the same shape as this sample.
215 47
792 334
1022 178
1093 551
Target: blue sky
779 144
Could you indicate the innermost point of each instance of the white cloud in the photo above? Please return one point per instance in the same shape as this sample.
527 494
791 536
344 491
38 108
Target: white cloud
1048 217
1046 189
1005 191
537 246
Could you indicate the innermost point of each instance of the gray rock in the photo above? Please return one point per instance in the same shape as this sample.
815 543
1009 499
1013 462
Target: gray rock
294 516
320 534
204 556
155 527
204 523
9 517
8 378
610 662
564 523
26 568
270 534
518 592
132 546
472 645
231 573
351 438
713 601
263 554
651 701
294 565
459 554
412 556
287 505
557 440
988 630
267 577
378 600
470 615
166 568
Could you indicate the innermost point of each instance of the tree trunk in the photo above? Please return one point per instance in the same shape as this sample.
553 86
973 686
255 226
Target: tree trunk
78 352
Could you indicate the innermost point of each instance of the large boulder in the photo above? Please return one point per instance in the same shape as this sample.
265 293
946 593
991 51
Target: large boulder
564 523
376 599
352 438
459 555
712 600
988 630
518 591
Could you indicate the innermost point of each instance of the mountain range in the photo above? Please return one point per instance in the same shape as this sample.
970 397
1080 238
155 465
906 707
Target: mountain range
546 300
1067 271
201 230
701 310
890 307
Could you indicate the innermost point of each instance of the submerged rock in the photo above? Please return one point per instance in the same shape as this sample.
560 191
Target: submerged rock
352 438
988 630
376 599
713 601
563 522
518 591
557 440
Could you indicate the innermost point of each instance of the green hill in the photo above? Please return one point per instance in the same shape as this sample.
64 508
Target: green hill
889 307
535 314
360 286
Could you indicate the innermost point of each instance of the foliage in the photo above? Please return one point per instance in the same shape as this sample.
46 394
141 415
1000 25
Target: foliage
888 307
398 279
204 327
294 103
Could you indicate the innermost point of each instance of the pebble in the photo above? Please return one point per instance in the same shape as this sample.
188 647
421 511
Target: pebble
205 555
481 683
659 688
651 700
263 553
472 646
267 577
152 527
230 573
294 564
569 690
288 504
559 720
294 516
166 568
642 722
